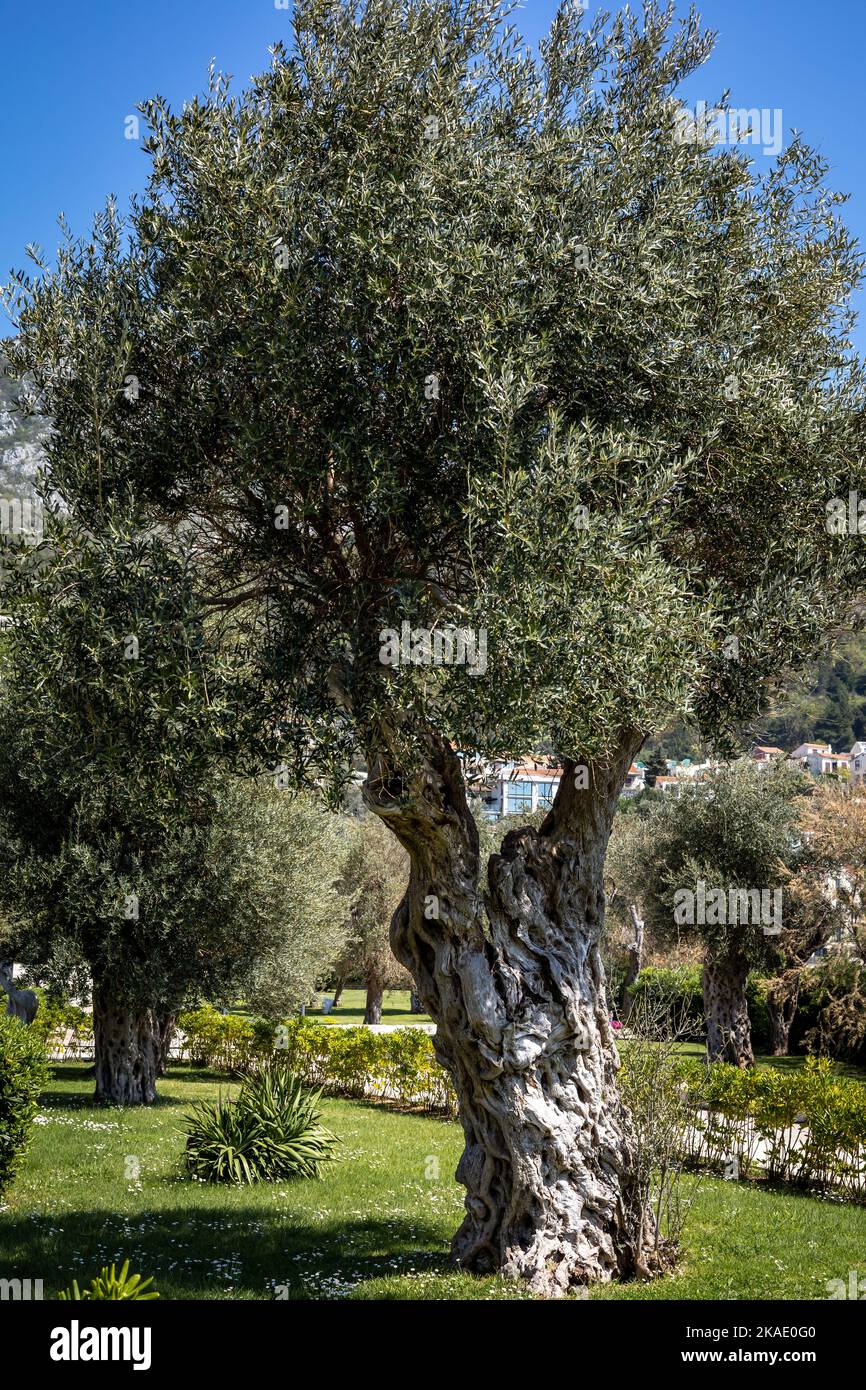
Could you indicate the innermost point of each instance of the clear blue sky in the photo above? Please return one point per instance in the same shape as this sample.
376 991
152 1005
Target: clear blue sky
71 70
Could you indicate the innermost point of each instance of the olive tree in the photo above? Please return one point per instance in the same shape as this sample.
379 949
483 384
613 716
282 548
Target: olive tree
375 875
129 860
506 412
713 864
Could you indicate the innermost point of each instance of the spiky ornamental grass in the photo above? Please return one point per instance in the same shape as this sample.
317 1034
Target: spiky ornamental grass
270 1133
109 1286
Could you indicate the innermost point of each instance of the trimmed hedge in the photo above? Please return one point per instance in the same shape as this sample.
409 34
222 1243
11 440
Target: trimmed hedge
355 1062
805 1127
23 1075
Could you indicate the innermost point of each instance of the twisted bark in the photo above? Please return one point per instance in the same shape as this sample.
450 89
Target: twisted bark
514 980
635 959
729 1033
783 994
126 1046
21 1003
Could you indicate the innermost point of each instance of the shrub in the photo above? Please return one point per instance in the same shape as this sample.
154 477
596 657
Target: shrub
270 1133
675 990
213 1039
400 1065
806 1127
56 1018
679 991
23 1073
110 1286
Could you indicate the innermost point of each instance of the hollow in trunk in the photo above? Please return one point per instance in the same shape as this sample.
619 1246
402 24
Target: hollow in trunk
126 1051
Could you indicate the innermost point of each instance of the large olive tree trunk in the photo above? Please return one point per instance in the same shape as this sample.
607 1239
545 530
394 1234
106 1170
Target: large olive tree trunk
514 981
726 1010
127 1051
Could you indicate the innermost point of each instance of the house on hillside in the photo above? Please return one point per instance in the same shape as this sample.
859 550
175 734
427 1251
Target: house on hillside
857 763
819 759
766 753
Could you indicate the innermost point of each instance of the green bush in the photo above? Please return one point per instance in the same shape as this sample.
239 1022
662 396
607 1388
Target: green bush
56 1017
399 1065
108 1286
270 1133
806 1127
23 1074
679 990
226 1042
674 989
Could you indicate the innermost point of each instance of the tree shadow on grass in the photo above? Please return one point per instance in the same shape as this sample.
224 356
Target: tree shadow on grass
80 1073
233 1253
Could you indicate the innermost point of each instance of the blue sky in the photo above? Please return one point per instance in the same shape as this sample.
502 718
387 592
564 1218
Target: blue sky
71 72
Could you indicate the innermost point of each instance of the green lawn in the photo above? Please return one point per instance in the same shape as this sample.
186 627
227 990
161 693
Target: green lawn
395 1008
377 1225
697 1049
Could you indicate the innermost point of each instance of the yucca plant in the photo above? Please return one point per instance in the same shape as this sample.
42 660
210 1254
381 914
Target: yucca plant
110 1286
271 1132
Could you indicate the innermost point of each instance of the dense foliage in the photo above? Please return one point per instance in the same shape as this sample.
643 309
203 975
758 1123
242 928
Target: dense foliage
271 1132
23 1075
473 366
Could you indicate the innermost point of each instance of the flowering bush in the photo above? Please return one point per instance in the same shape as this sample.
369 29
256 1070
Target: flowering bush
806 1127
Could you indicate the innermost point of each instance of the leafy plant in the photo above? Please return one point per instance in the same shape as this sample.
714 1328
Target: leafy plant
111 1286
22 1076
271 1132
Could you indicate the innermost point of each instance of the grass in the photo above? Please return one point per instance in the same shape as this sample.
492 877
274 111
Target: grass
103 1185
395 1008
792 1063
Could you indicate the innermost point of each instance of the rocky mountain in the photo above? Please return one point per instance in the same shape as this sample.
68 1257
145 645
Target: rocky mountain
20 444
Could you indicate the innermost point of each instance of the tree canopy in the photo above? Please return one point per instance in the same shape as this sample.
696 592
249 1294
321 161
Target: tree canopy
425 326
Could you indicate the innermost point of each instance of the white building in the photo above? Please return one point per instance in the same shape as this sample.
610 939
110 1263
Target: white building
819 759
857 763
519 788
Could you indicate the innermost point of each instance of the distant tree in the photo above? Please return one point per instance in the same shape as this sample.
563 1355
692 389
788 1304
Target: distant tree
700 869
656 767
831 889
128 860
375 874
298 894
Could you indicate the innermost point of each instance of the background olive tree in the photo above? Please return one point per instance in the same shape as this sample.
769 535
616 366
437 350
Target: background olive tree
736 833
133 868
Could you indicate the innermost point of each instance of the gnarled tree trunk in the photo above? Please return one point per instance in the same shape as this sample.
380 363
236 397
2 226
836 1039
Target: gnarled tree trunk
373 1005
514 980
21 1003
635 958
415 1005
126 1044
166 1027
726 1010
782 996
